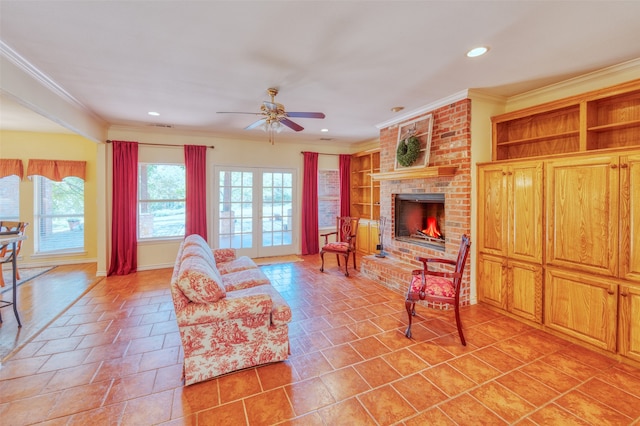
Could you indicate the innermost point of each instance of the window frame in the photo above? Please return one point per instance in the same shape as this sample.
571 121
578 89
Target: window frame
15 195
139 237
335 198
38 217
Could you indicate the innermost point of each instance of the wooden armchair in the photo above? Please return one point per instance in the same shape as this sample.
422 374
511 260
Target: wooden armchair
345 244
435 286
6 251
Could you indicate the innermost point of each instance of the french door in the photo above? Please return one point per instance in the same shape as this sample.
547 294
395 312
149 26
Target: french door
255 210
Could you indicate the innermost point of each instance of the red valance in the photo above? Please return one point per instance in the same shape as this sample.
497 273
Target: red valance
9 167
57 170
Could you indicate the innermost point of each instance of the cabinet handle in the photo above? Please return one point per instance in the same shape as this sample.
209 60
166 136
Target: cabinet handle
624 294
611 292
614 166
624 165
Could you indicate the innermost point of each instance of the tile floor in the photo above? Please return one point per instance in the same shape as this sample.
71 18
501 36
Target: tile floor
114 357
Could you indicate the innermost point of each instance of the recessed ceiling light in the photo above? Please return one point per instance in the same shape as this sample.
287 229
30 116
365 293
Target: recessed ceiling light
477 51
324 130
155 114
397 109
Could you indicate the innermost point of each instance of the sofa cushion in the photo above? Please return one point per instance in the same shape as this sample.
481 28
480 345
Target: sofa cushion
224 254
280 310
240 264
195 245
200 282
244 279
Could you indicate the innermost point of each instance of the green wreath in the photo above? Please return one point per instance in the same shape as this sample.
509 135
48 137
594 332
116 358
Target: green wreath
408 151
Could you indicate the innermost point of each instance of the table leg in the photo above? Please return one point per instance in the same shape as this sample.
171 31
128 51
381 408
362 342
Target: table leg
14 263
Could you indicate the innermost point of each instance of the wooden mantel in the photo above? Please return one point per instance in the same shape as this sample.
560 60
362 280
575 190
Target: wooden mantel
426 172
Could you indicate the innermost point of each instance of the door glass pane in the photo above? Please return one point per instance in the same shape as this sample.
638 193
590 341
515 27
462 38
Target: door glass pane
235 209
276 208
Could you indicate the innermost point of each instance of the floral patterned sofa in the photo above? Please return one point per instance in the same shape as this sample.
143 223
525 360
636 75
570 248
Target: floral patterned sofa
229 315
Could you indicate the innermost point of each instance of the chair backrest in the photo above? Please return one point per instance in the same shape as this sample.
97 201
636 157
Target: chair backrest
463 253
7 250
347 228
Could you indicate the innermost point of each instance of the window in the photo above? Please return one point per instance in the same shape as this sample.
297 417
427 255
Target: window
328 198
10 198
161 200
58 214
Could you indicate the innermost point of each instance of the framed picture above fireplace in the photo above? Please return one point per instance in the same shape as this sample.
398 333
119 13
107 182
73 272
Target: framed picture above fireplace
414 143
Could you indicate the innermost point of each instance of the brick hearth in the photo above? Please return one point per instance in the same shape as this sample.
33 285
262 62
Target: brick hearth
450 146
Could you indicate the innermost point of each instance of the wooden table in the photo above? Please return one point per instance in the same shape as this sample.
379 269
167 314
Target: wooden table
12 238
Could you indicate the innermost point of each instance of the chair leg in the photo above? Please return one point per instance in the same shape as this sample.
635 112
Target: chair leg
410 306
322 257
354 260
459 324
346 265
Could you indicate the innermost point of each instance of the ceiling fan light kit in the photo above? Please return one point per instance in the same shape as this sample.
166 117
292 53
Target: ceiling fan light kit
274 117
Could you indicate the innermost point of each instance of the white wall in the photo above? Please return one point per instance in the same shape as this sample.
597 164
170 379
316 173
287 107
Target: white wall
227 152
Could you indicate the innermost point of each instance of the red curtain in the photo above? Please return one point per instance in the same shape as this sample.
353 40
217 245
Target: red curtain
345 184
310 244
124 249
195 160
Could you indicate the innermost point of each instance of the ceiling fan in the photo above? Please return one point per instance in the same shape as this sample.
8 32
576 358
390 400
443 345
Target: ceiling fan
274 117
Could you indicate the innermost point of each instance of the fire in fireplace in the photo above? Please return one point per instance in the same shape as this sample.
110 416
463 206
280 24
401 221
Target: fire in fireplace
419 219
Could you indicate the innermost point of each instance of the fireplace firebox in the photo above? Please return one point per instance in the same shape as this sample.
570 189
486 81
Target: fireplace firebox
420 219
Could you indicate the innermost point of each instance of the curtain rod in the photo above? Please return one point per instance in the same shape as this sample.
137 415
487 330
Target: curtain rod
160 144
320 153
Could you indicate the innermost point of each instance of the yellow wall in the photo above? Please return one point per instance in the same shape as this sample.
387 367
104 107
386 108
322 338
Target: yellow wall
54 146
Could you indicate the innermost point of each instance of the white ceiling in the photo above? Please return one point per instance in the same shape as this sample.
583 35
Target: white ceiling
352 60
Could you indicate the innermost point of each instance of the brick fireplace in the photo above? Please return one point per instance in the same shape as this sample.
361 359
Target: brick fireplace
420 219
450 146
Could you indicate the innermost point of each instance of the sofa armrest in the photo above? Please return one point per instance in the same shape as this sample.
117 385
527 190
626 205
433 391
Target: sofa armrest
224 255
228 308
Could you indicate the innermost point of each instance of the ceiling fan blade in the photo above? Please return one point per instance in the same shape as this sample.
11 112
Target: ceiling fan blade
256 124
305 114
235 112
290 124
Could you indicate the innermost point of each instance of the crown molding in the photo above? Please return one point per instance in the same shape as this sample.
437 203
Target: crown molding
463 94
597 76
28 68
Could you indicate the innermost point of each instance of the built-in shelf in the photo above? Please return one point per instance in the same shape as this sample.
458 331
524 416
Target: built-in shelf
426 172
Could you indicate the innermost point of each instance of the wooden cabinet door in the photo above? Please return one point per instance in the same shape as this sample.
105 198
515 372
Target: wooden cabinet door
525 211
492 210
362 238
524 292
373 237
492 280
630 217
582 306
582 214
629 322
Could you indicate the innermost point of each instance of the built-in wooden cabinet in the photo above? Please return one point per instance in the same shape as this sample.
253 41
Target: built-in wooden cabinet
367 239
602 119
510 238
559 218
365 198
582 305
582 197
630 218
629 322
